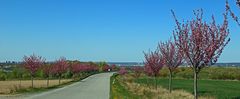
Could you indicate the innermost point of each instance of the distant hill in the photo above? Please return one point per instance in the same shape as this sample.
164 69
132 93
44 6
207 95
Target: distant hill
228 64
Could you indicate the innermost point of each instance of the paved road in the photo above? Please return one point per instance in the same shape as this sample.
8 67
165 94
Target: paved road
94 87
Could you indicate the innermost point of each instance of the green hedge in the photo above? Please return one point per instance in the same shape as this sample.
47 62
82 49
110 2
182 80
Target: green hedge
218 73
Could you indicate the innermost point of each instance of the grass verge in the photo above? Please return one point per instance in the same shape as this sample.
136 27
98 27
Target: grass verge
123 87
118 91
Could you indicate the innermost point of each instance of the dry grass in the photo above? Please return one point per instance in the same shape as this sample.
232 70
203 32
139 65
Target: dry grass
150 92
7 87
160 93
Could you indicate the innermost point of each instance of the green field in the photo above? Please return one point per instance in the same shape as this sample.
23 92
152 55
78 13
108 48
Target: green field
218 88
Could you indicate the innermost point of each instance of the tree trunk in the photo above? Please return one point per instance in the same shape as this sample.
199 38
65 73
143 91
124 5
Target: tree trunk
20 83
155 78
47 81
147 81
32 80
170 81
59 80
195 84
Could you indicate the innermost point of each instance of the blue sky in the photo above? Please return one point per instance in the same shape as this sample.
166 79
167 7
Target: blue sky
99 30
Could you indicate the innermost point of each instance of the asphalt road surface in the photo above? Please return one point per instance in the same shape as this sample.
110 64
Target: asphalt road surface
94 87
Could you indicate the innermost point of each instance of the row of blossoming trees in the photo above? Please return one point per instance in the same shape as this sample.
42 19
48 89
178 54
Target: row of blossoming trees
196 43
35 63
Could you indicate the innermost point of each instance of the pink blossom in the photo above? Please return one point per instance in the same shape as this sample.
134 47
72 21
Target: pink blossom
122 71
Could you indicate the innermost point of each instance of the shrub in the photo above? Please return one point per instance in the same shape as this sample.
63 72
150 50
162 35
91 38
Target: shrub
164 72
3 77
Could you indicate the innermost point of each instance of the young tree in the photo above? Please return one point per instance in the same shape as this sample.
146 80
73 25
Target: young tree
60 67
137 71
113 67
238 3
76 68
122 71
200 42
234 16
47 70
18 72
173 58
106 68
32 64
101 65
153 64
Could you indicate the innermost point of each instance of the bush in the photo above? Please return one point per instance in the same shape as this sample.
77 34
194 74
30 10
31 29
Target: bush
218 73
185 72
221 73
164 72
3 76
238 76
